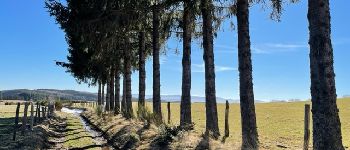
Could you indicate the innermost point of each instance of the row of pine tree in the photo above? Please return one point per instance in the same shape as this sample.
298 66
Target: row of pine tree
109 39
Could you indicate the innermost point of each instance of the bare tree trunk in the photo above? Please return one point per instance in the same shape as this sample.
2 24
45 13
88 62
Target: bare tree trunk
326 122
99 99
208 56
111 89
117 90
128 95
156 66
142 70
108 93
123 107
185 110
103 95
248 117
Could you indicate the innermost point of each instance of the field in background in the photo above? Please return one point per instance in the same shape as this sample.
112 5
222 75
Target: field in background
279 123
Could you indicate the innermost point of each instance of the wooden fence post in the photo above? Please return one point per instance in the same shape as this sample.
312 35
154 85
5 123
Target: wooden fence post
25 117
43 112
307 127
227 130
16 121
38 107
31 116
36 113
169 113
47 112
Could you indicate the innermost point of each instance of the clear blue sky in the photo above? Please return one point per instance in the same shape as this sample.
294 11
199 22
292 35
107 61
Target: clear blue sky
31 41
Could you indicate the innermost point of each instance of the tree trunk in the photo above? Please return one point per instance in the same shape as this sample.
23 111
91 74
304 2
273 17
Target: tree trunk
156 66
108 93
111 90
103 95
117 90
185 106
208 56
123 107
128 95
99 101
142 70
248 117
326 122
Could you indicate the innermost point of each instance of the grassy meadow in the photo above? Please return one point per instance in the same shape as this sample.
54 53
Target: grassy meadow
279 123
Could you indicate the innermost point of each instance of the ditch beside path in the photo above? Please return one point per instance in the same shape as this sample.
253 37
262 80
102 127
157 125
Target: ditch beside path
79 134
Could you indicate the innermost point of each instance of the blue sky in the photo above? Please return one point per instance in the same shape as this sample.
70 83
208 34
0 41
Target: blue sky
31 41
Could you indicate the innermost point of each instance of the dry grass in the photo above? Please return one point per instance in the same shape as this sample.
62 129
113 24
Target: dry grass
278 123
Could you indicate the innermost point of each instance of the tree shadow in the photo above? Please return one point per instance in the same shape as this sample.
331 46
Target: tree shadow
77 138
89 146
203 144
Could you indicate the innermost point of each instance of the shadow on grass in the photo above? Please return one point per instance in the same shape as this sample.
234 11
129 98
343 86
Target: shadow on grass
203 144
89 146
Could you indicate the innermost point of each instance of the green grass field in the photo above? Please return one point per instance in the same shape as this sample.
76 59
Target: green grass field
279 123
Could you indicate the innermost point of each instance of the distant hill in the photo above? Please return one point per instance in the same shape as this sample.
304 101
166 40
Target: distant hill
40 94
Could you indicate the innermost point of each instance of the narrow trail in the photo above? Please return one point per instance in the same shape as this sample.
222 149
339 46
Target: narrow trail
97 141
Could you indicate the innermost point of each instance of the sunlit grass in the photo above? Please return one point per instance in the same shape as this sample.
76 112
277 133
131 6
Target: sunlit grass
76 135
278 123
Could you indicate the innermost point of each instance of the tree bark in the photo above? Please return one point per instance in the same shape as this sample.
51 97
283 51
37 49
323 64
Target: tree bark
128 95
248 117
208 56
117 90
326 122
103 95
185 106
111 89
123 107
99 101
108 93
156 66
142 70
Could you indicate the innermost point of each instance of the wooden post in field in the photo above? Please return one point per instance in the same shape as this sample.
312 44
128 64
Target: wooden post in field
38 107
16 121
227 130
169 114
43 111
25 117
307 127
36 113
31 116
47 112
